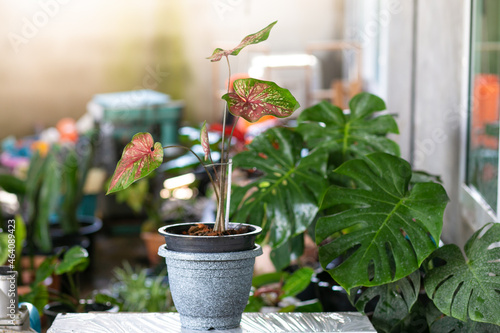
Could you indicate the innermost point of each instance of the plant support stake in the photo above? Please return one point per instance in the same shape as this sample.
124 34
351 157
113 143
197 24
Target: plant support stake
228 198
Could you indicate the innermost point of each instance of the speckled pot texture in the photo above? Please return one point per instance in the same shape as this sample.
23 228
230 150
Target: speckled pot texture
210 290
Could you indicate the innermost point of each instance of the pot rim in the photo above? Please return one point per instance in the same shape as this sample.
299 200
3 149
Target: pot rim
163 232
210 256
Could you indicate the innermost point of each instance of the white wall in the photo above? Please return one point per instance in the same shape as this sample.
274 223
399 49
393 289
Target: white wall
425 80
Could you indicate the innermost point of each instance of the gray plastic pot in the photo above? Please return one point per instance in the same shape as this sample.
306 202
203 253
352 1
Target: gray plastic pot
210 290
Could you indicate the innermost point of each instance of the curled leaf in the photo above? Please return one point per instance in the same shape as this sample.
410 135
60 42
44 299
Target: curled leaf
140 157
255 38
205 144
253 99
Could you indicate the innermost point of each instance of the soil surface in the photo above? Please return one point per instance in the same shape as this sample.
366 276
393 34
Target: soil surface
203 230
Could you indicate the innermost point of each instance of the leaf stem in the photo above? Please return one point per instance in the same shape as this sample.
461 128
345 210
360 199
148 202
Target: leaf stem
219 223
214 184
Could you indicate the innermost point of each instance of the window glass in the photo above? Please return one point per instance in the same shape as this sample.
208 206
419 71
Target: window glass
482 169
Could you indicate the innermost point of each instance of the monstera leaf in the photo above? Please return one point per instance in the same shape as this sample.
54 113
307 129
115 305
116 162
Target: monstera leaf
468 287
387 230
355 134
255 38
140 157
253 99
394 304
284 201
453 325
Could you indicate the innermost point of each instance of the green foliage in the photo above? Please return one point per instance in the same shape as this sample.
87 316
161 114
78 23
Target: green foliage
136 292
276 289
394 301
4 247
387 229
12 184
76 259
467 288
350 135
284 201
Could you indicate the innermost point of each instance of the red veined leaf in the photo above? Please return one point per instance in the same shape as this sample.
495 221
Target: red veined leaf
140 157
255 38
204 140
253 99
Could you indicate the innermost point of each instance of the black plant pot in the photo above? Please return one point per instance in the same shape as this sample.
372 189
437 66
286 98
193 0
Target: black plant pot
89 226
51 310
177 241
333 298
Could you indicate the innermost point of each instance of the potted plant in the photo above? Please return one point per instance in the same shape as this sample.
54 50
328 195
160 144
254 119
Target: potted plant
376 221
68 265
210 265
136 291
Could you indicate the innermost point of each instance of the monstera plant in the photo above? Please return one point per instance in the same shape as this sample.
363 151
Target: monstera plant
380 243
251 99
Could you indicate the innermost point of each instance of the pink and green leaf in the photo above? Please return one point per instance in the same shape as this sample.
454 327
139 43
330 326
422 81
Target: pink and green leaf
255 38
140 157
204 141
253 99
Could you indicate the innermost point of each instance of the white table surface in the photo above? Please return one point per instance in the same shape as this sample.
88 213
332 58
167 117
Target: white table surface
251 322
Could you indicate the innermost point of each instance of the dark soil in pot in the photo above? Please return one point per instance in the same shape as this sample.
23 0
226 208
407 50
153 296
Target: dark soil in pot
241 237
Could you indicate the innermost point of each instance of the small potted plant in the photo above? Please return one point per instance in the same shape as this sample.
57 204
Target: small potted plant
210 265
69 264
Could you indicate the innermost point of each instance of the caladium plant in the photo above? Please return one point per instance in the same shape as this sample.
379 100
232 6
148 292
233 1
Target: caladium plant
251 99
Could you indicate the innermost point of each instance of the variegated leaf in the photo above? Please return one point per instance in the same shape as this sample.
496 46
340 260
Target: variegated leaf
140 157
255 38
205 144
253 99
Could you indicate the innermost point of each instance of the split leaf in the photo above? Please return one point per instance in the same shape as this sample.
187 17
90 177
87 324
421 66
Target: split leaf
352 135
255 38
284 201
385 230
140 157
253 99
394 303
467 288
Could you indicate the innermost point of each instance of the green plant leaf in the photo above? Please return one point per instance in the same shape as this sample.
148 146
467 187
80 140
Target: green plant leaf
140 157
4 247
453 325
48 198
20 233
76 259
38 296
268 278
282 255
12 184
45 269
284 201
353 135
254 304
253 99
387 229
297 282
255 38
394 303
467 288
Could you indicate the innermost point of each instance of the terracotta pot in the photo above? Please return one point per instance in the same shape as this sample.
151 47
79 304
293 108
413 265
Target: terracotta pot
152 240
